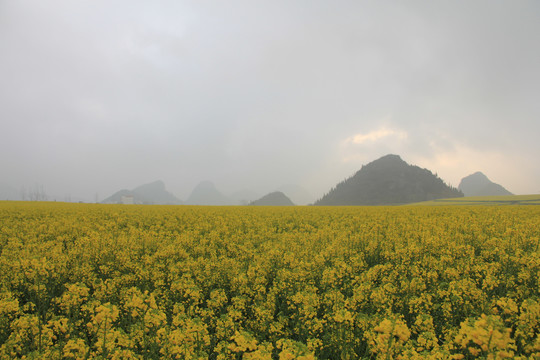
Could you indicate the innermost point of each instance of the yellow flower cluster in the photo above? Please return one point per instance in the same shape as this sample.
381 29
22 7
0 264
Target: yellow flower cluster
80 281
486 336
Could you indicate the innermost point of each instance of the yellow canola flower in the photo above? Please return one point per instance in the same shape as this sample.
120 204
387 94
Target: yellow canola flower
486 335
113 281
105 313
387 339
242 342
75 349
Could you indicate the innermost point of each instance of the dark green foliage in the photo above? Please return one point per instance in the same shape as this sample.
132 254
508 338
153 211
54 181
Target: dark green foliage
389 181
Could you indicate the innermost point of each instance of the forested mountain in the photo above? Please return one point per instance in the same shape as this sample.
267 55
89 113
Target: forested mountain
388 181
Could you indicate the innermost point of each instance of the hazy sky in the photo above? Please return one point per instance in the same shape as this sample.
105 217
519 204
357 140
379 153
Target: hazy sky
100 95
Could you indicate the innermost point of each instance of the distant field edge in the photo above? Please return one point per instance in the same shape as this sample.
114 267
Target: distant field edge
486 200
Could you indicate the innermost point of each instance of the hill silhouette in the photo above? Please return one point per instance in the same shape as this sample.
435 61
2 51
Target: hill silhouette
205 193
478 184
276 198
388 181
152 193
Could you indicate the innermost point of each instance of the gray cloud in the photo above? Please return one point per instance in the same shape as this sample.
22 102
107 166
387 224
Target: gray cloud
99 95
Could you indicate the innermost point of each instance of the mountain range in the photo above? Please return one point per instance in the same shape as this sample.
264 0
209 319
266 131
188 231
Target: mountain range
152 193
386 181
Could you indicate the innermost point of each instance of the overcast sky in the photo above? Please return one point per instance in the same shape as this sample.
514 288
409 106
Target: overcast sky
97 95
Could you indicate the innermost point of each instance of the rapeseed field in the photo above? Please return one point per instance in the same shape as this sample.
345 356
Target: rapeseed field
87 281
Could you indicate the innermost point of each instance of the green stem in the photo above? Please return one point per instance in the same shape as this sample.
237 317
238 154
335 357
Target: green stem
104 349
390 340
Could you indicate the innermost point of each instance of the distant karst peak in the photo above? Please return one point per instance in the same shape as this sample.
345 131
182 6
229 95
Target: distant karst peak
478 184
388 180
276 198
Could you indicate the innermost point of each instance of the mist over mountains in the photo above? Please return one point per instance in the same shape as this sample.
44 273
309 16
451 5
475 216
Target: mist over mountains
206 193
388 180
385 181
276 198
149 194
478 184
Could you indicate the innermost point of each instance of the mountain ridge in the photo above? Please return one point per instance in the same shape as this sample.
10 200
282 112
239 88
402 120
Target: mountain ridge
153 193
388 180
